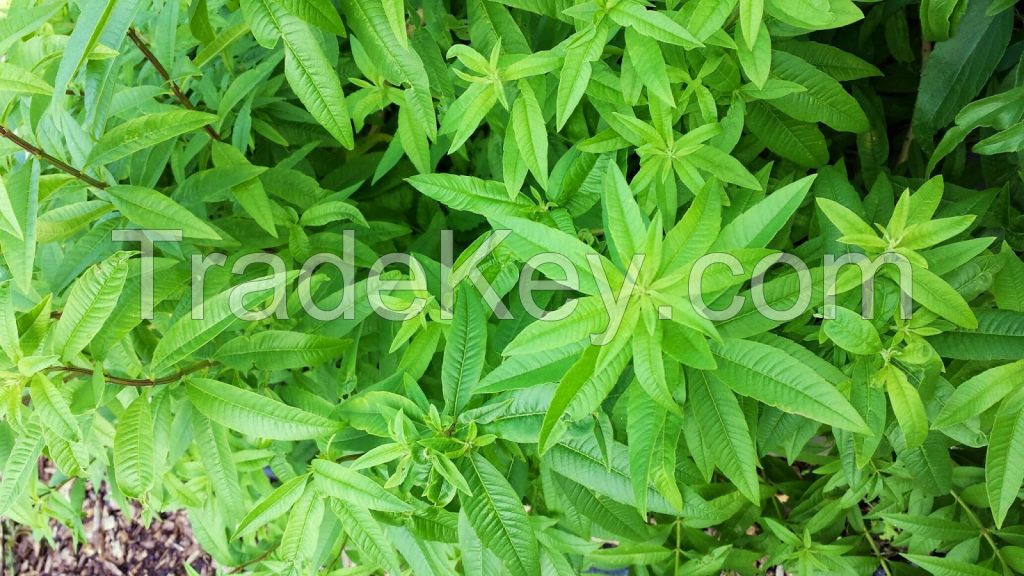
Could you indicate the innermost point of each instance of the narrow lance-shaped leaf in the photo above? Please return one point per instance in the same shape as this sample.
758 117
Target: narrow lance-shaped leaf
980 393
343 483
907 405
150 209
254 414
272 506
367 535
724 426
1004 461
465 350
774 377
497 516
314 80
134 455
531 133
20 465
144 132
90 302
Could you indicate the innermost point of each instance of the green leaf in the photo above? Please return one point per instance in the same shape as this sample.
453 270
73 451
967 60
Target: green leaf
9 336
582 388
8 216
21 190
724 429
90 302
799 142
530 238
414 141
907 405
466 113
751 14
1008 287
772 376
16 80
646 57
645 426
254 414
367 534
622 216
572 81
54 409
824 100
280 350
948 566
852 332
150 209
696 232
471 194
834 61
636 554
1004 460
980 392
198 327
400 64
652 23
756 227
935 294
999 336
272 506
134 455
145 132
649 366
724 167
497 516
314 80
932 528
848 223
20 466
299 540
319 13
332 211
465 351
581 460
957 69
531 133
98 21
17 23
755 55
218 461
345 484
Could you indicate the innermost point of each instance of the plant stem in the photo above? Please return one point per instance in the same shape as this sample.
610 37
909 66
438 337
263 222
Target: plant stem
133 381
133 34
984 531
255 560
52 160
878 554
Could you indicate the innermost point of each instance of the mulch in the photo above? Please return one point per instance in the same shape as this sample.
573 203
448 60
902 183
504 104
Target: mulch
117 544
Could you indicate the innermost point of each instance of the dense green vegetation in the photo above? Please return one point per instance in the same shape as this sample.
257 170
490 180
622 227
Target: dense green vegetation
256 357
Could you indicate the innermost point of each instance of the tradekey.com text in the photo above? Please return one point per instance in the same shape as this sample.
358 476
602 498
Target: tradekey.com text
712 287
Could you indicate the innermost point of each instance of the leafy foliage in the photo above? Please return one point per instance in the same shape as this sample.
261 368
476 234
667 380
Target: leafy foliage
632 426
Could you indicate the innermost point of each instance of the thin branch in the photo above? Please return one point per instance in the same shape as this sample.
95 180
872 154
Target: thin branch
255 560
134 381
133 34
983 529
52 160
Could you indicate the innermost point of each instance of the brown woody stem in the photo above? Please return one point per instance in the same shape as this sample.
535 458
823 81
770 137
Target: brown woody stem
133 34
133 381
52 160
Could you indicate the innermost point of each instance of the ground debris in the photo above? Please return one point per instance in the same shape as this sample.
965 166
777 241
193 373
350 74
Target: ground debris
118 544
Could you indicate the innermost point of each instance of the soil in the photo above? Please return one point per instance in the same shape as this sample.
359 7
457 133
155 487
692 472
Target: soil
117 544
